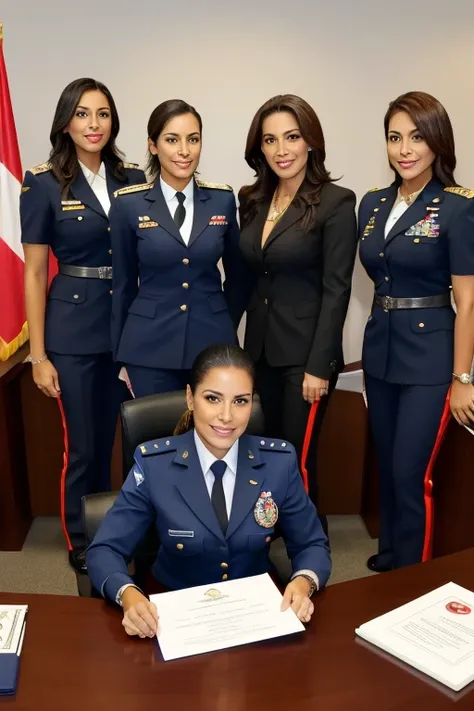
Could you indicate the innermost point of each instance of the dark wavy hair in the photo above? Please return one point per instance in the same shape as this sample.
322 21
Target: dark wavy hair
432 120
220 355
251 196
63 156
156 123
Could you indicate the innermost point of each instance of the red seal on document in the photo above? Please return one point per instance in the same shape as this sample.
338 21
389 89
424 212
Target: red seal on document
458 608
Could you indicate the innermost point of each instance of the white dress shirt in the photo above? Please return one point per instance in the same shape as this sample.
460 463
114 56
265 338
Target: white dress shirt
400 206
206 459
98 183
171 200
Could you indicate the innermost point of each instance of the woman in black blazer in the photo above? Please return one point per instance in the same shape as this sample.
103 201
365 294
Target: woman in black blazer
299 236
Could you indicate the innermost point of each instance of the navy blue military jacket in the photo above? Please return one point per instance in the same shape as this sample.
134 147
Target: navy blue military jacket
168 303
432 240
166 486
78 311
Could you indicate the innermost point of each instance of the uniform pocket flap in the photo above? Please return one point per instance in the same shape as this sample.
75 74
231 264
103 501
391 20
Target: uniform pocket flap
183 546
143 307
306 309
74 291
429 320
217 302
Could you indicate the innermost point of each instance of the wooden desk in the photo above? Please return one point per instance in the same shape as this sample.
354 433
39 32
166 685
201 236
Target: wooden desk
76 656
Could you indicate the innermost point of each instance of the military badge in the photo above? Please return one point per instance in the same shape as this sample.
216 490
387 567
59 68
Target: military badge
150 223
139 478
428 227
266 510
218 220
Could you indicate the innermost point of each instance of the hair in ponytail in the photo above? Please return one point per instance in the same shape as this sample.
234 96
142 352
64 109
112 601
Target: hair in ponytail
220 355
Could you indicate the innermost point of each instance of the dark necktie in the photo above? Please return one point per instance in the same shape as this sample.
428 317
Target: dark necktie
217 496
180 213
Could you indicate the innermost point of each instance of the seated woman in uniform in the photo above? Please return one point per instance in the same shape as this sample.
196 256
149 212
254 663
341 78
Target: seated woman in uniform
215 495
168 236
416 241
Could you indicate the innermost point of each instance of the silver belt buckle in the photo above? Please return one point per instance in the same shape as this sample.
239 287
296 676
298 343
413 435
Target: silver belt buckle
387 302
105 272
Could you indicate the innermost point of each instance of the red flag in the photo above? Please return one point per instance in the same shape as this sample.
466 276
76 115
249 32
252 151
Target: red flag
13 327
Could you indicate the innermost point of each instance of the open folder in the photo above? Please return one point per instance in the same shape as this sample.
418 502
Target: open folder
12 633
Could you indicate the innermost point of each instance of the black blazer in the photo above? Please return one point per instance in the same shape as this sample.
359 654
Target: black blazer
303 284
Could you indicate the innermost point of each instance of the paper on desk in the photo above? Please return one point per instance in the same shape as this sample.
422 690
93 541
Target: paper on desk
211 617
353 382
434 634
12 619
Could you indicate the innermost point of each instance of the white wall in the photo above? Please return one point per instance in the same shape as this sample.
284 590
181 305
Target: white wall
348 58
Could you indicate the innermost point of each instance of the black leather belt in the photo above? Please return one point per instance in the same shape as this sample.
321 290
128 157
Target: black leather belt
85 272
422 302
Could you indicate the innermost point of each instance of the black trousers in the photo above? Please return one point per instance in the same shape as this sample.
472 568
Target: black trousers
286 414
91 394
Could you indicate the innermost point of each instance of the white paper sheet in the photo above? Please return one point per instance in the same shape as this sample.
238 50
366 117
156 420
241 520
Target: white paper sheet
12 619
434 634
211 617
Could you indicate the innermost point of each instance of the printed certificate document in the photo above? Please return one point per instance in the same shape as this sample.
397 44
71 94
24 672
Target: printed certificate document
434 633
211 617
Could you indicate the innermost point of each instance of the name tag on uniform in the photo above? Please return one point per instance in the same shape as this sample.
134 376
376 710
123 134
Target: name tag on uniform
181 534
218 220
72 205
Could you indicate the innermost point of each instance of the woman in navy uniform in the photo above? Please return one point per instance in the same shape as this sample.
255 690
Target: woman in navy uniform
417 240
299 236
168 237
215 495
64 206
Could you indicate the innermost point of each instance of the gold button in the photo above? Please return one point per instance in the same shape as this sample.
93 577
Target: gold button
224 565
421 325
268 539
185 261
225 576
416 240
381 254
266 301
80 218
180 546
387 278
185 285
110 251
183 307
111 291
108 229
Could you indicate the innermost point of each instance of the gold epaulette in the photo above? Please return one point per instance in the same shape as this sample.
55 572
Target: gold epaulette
374 190
134 189
464 192
131 166
213 186
42 168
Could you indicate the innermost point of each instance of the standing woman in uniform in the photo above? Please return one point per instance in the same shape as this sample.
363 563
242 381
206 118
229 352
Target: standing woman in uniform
299 237
64 205
168 237
417 240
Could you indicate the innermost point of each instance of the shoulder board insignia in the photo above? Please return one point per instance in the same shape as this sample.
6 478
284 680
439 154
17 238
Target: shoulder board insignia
134 189
42 168
277 445
213 186
157 446
130 165
374 190
464 192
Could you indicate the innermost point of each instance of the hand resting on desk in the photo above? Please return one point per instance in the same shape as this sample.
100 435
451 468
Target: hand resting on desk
140 616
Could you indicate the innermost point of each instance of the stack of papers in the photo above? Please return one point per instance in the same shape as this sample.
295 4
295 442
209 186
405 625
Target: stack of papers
434 634
12 632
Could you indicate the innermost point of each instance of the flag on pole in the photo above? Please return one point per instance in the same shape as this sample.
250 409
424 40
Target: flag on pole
13 327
